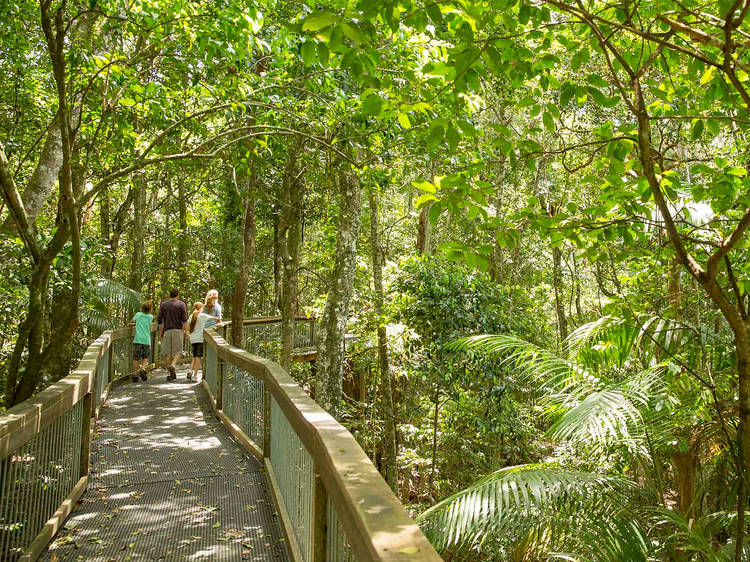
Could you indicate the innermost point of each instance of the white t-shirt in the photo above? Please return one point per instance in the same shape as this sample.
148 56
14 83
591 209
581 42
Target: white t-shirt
196 336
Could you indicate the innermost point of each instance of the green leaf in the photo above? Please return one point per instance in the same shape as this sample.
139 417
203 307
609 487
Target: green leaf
524 13
435 136
697 129
424 199
435 212
567 92
323 54
309 53
597 81
549 122
354 33
372 105
318 20
581 57
404 121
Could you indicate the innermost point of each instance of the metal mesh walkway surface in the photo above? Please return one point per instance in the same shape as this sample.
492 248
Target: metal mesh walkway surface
169 483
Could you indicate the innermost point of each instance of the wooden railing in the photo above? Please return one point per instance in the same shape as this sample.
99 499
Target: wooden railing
333 503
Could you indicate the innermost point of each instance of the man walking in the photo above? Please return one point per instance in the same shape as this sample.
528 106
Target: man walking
172 320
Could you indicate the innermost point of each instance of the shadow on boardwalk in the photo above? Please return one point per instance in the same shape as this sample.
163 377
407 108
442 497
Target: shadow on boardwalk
169 483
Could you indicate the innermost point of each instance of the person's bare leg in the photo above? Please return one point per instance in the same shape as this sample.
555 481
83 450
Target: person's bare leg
135 365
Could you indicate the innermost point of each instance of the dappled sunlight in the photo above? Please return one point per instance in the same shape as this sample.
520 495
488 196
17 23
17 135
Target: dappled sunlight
167 481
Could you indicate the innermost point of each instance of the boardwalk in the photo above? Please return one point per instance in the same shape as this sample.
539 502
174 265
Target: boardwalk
169 483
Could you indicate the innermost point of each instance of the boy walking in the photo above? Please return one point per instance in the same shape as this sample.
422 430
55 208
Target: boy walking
172 319
142 341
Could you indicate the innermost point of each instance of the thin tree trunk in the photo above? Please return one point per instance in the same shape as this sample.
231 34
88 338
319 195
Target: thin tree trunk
167 240
390 453
289 242
330 344
435 422
277 267
562 320
135 277
247 257
105 233
182 240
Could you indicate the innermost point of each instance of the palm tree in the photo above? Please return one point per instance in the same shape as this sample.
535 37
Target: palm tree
613 392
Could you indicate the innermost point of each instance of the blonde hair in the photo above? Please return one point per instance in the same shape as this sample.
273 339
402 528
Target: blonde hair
197 308
211 297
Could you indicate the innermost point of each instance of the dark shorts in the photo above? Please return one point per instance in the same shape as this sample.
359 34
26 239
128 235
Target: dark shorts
197 350
141 351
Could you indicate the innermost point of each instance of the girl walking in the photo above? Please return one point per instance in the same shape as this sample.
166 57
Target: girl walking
196 326
212 307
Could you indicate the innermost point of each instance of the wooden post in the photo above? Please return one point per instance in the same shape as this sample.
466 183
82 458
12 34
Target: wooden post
219 383
110 360
312 332
320 522
86 414
266 423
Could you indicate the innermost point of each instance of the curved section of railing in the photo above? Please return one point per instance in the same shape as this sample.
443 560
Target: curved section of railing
333 503
44 447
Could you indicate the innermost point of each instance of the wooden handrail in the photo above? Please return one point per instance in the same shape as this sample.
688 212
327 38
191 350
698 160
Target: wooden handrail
20 423
376 525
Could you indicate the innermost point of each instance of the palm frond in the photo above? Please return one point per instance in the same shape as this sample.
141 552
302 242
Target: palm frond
540 365
690 535
602 417
512 500
95 319
581 341
111 292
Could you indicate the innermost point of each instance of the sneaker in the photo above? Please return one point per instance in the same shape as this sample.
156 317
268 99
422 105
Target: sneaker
172 373
190 376
134 377
143 374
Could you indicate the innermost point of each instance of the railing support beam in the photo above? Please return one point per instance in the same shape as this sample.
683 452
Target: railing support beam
87 413
219 383
320 522
266 422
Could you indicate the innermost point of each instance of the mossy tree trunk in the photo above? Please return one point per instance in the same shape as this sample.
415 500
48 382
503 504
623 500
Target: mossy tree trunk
330 344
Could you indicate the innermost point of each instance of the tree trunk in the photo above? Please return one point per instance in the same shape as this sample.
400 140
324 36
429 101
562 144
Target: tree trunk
118 227
247 257
182 240
390 453
135 277
424 231
687 467
330 344
105 233
277 267
562 320
289 242
435 423
163 259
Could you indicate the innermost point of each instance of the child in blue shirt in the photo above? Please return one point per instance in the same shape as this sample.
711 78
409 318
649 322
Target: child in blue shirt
142 341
